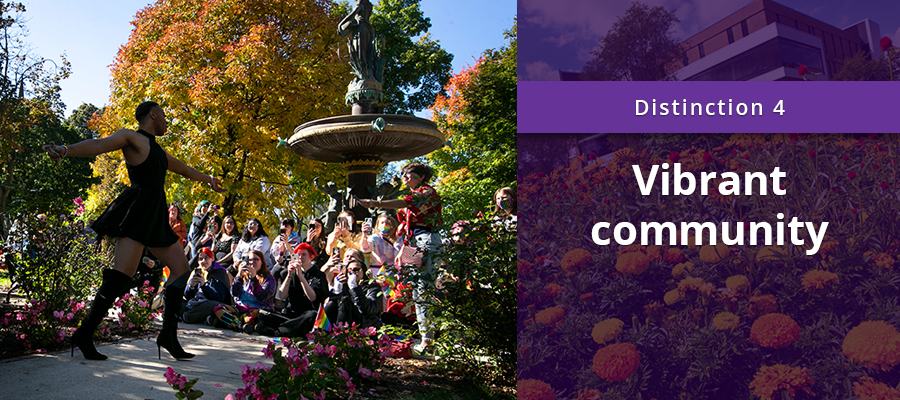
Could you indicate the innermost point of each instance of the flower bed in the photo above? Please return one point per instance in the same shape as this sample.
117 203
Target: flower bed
713 321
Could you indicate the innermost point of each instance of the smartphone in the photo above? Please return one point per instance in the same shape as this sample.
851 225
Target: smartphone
369 221
335 250
245 259
282 231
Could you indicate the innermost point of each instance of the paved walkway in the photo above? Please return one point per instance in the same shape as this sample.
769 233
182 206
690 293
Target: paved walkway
133 370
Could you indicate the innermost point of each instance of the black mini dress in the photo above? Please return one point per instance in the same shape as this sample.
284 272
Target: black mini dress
141 211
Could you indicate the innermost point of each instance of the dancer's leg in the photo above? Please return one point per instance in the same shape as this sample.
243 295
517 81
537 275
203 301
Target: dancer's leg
173 257
128 253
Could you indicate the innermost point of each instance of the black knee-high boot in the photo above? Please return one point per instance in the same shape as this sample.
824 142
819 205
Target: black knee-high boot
113 284
168 338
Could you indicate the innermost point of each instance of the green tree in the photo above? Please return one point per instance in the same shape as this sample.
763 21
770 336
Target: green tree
479 116
30 110
80 118
638 47
861 67
416 71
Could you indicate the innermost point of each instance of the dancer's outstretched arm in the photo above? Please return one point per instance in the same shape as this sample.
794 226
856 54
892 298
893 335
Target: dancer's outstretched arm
93 147
180 168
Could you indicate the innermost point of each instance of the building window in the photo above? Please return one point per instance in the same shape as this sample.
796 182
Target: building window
684 58
702 52
812 31
777 18
775 53
730 36
744 30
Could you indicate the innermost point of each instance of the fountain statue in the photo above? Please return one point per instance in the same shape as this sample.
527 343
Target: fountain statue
366 140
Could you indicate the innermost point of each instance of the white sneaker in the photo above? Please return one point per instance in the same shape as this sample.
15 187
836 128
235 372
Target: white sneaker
423 347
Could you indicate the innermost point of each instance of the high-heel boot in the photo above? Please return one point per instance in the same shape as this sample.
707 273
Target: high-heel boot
168 338
113 284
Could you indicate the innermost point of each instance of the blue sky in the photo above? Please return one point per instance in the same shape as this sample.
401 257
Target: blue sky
90 33
560 34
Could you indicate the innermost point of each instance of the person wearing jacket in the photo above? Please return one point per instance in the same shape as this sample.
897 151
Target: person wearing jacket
354 297
304 288
207 288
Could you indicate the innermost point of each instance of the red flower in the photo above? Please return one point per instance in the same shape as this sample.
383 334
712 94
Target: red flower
803 70
707 157
812 153
674 156
886 43
851 174
846 157
884 185
592 156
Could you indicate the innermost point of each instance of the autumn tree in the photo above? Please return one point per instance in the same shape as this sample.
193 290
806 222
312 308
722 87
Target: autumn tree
479 116
234 77
861 67
637 48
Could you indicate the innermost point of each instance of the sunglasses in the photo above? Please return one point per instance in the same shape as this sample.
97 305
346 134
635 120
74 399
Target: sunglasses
253 259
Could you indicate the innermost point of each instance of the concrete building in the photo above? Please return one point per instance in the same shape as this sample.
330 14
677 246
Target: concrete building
765 40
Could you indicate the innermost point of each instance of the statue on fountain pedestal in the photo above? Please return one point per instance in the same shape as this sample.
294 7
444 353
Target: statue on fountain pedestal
365 58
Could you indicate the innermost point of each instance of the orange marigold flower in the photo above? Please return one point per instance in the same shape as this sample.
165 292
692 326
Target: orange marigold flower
616 362
576 259
679 269
738 283
533 389
523 267
770 380
880 260
588 394
726 321
829 247
653 252
870 389
763 304
817 279
874 344
633 248
774 330
554 289
674 256
673 296
696 284
587 296
550 316
713 254
632 263
771 253
607 330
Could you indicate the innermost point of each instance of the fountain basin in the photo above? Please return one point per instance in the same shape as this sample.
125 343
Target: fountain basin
349 137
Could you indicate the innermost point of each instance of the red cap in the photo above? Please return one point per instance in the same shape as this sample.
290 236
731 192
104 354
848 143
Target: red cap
307 247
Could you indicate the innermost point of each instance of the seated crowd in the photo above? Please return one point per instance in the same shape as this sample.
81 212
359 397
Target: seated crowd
245 281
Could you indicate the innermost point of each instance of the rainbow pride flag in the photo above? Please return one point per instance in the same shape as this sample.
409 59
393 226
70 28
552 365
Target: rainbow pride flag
322 320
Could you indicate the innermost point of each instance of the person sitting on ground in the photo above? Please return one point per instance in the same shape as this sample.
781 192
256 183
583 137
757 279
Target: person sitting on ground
283 246
200 212
317 238
343 237
212 227
358 298
207 288
254 238
177 224
304 290
253 290
380 246
225 244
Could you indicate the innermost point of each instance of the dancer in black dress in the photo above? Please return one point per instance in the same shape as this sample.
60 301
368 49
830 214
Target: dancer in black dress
137 218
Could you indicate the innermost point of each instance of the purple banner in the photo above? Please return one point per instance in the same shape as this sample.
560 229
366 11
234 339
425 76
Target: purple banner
708 107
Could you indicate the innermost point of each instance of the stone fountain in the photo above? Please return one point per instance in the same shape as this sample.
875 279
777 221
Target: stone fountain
365 141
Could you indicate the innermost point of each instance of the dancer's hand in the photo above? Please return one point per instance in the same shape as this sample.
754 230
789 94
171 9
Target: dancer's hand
55 152
216 185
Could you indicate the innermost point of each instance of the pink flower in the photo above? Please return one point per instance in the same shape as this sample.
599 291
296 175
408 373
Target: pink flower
886 43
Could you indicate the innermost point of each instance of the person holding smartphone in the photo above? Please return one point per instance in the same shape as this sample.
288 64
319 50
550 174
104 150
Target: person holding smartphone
253 290
283 247
420 216
343 237
303 289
